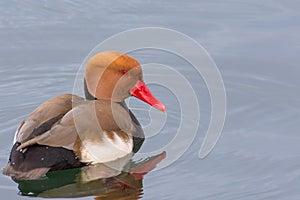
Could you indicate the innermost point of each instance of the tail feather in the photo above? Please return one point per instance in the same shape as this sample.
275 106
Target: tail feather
35 161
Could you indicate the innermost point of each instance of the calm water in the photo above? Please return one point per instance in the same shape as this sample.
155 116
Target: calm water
255 45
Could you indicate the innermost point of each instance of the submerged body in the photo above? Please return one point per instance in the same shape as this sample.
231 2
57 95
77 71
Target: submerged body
68 131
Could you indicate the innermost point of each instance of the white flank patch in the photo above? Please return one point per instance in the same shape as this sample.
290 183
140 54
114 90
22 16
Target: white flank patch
15 137
107 150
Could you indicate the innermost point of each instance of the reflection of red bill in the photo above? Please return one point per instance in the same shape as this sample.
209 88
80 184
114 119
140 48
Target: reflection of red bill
140 170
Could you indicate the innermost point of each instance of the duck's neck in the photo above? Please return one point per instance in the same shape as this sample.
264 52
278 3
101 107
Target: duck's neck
89 96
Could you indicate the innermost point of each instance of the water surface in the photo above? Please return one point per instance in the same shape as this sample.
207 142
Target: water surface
255 45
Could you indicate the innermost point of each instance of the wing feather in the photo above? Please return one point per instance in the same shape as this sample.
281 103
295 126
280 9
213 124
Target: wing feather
43 118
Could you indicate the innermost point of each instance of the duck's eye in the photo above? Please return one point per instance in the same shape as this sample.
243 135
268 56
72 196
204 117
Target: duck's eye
124 71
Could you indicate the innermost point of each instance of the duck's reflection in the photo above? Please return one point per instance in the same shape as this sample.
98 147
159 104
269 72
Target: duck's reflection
118 180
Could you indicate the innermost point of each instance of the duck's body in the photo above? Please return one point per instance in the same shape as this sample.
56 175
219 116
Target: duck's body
68 131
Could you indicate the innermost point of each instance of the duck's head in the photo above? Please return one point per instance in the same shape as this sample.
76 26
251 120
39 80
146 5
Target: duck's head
115 76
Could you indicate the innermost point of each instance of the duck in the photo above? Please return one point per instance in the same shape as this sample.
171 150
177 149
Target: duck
68 131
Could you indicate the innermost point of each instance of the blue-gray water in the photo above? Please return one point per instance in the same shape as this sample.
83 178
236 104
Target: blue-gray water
255 45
